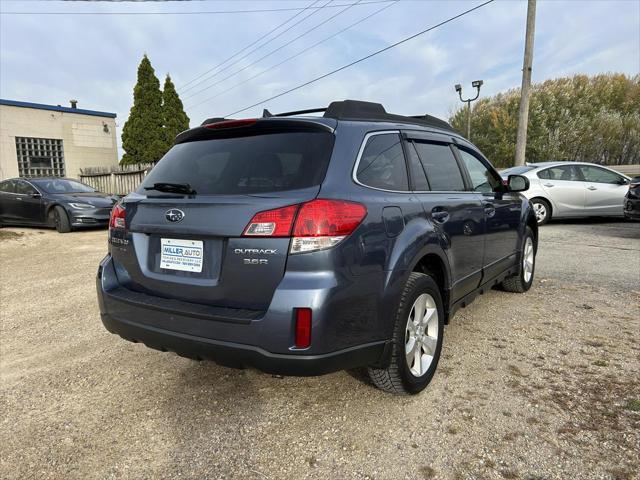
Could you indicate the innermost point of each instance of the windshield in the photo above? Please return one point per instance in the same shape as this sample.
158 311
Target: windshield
62 185
517 170
245 165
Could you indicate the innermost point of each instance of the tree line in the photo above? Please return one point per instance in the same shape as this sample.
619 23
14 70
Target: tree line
155 119
581 118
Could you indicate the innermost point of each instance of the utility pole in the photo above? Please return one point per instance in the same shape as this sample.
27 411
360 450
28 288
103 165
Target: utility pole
476 84
523 114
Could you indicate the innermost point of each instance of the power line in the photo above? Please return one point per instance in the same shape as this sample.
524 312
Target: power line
235 62
340 12
377 52
248 46
201 12
297 54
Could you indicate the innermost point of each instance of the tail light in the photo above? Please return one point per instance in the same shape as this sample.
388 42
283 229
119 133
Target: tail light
315 225
303 327
272 223
117 219
324 223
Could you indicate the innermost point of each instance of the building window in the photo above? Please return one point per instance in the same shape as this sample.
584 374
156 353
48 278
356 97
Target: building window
39 157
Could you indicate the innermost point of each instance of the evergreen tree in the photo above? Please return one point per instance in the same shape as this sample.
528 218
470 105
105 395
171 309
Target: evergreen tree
175 120
142 134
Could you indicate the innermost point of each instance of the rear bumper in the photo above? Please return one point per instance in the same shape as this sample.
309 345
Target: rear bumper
236 339
237 355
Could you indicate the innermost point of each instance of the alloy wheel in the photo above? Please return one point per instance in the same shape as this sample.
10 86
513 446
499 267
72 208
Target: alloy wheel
421 335
540 210
527 260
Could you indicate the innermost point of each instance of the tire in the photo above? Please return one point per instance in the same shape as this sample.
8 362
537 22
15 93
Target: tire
522 281
402 377
60 220
542 210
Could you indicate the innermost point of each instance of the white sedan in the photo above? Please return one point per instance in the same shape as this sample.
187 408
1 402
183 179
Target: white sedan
572 189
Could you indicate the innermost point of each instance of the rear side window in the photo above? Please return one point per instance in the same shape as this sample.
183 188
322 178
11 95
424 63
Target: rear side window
441 167
567 173
418 175
246 165
382 163
8 186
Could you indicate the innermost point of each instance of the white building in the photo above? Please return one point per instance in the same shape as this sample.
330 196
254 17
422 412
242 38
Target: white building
49 140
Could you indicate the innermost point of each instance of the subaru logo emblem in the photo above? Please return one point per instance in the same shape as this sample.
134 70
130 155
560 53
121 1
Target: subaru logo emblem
174 215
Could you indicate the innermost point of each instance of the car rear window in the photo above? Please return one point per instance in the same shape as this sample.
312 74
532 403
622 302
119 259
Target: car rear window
246 165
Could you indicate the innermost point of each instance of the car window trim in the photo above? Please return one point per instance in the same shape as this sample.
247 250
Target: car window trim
354 174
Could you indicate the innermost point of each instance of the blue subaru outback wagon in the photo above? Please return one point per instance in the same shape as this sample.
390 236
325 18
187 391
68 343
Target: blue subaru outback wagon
302 245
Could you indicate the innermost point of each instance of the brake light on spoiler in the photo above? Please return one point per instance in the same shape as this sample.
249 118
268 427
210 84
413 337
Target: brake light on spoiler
315 225
245 122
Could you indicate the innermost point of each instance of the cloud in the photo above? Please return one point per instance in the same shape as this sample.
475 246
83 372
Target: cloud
51 59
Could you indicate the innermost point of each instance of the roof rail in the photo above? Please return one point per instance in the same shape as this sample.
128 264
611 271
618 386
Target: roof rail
357 110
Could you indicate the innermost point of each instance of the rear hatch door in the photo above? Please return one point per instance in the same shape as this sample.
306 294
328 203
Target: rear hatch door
191 247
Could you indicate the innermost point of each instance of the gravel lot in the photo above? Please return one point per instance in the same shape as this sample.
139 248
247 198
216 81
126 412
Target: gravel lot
535 386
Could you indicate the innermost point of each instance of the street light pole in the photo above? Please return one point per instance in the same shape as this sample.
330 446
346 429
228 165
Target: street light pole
476 84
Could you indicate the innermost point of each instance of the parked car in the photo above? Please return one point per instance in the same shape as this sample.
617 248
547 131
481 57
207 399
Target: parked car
572 189
62 203
632 200
303 245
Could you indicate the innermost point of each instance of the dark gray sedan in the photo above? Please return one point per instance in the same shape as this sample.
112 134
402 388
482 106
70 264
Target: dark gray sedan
62 203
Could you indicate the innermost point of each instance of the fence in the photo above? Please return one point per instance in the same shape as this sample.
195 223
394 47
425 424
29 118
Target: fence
119 180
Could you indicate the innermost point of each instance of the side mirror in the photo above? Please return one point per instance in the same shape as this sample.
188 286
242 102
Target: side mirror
623 181
517 183
36 195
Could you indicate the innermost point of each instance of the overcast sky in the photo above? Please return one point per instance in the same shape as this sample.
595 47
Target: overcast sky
93 58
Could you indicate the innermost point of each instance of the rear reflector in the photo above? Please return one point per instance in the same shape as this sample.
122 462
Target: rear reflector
231 124
303 327
117 219
315 225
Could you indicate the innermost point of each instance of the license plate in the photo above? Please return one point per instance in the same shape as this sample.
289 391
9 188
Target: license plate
185 255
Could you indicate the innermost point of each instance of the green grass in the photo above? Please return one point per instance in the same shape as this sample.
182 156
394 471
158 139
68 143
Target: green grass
634 405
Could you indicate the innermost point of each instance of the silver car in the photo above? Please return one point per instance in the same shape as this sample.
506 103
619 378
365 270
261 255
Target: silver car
572 189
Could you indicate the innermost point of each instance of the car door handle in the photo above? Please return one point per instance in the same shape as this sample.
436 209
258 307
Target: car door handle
19 199
591 188
489 209
439 215
549 185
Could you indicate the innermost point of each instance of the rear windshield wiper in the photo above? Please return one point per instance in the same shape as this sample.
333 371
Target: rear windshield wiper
183 188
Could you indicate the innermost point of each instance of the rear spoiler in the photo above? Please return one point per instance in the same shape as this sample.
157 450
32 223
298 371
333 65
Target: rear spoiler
230 128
